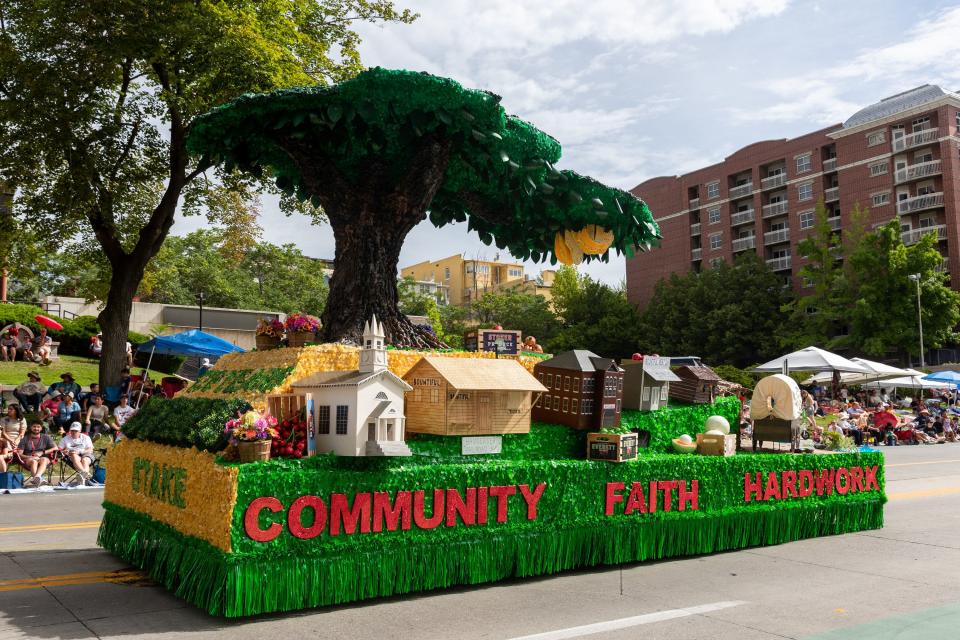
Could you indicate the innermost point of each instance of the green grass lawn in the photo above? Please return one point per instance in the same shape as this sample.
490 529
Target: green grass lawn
84 370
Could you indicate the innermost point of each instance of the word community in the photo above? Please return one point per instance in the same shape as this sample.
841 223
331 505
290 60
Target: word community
378 511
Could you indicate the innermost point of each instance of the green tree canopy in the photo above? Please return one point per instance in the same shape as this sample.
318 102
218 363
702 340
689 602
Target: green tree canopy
382 150
527 312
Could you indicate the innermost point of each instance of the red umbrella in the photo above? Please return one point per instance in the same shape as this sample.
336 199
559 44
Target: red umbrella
49 323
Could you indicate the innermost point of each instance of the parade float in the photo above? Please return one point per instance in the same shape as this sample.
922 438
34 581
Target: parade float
372 470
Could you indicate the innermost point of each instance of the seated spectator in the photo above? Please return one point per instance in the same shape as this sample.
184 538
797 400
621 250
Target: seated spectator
86 399
874 400
30 393
66 385
48 410
950 429
8 345
97 416
124 381
854 408
123 412
77 447
67 411
42 346
12 429
142 387
849 428
96 346
33 454
25 347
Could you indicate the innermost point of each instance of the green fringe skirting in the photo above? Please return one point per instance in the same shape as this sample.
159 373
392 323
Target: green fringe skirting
236 585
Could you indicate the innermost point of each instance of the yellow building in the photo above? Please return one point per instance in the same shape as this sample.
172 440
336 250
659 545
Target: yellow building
466 280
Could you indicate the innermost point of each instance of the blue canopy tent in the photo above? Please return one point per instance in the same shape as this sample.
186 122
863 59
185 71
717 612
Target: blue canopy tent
188 343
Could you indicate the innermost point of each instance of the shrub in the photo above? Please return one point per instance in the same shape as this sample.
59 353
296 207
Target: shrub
184 422
75 337
739 376
22 313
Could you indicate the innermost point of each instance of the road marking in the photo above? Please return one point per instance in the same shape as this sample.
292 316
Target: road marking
922 493
634 621
90 524
911 464
121 576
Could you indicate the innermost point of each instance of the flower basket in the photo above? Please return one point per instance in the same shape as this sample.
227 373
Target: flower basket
300 338
254 450
267 342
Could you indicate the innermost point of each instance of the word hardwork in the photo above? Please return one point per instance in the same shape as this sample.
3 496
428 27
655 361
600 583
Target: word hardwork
803 483
381 511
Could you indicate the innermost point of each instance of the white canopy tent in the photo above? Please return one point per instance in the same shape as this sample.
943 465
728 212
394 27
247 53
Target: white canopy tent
878 371
907 382
811 359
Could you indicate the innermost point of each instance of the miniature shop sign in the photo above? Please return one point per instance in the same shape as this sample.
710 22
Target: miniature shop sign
478 445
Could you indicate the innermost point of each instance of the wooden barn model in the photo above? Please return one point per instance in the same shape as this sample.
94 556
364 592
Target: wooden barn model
359 413
646 383
584 391
469 396
698 384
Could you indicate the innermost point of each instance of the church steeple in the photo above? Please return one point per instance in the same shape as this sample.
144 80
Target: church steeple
373 354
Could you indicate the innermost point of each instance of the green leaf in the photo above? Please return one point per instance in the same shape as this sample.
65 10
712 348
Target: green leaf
335 112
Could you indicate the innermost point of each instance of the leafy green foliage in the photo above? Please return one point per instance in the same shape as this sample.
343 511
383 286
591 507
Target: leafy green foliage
22 313
527 312
184 422
500 174
598 318
730 314
241 380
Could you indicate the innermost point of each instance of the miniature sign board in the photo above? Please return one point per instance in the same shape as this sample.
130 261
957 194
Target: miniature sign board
709 444
659 369
497 340
612 447
478 445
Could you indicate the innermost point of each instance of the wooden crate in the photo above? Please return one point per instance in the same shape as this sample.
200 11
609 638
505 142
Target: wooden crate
284 406
612 447
709 444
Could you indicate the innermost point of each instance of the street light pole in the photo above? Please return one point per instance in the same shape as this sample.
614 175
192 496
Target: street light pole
200 299
916 278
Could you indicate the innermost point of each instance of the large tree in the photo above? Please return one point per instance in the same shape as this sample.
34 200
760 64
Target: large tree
97 98
382 151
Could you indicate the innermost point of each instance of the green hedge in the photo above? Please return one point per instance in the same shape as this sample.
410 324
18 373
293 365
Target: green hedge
184 422
677 419
241 380
22 313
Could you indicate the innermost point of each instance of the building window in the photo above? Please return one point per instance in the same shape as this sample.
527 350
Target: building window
549 380
875 138
806 219
323 420
620 383
803 163
588 385
556 403
586 407
576 384
342 412
556 381
435 396
566 405
958 119
713 190
609 387
540 377
880 199
566 383
446 273
807 283
878 169
573 406
515 273
805 191
920 124
539 401
716 241
618 405
713 215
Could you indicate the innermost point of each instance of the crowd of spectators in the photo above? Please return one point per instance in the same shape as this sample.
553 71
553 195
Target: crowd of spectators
16 343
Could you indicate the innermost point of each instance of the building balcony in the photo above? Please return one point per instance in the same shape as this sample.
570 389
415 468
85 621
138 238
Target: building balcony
780 264
774 209
834 223
919 203
742 190
696 254
695 229
772 182
831 195
944 266
694 203
775 237
829 165
918 139
742 244
917 171
913 236
742 217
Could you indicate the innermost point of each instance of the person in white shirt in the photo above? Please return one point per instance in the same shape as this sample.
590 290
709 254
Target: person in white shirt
123 411
78 449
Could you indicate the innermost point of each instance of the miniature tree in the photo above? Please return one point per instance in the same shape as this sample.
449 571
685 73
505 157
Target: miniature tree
384 150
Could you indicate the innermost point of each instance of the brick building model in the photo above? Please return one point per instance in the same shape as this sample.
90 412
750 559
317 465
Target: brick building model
899 157
584 391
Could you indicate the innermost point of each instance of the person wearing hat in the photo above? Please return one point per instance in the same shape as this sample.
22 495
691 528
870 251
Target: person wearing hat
850 429
66 385
67 411
30 393
77 448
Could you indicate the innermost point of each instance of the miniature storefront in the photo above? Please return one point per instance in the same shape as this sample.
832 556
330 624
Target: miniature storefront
646 383
584 391
359 413
457 397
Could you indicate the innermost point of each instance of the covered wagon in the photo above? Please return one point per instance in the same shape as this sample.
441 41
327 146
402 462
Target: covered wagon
776 409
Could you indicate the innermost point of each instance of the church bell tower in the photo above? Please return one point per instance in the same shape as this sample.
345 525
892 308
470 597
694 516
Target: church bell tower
373 354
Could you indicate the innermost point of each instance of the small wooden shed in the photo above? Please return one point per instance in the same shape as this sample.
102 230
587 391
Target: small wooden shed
698 384
469 396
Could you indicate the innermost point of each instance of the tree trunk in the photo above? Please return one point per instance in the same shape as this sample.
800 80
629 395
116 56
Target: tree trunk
114 321
364 283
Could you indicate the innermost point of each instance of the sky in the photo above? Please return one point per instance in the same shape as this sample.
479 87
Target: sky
634 89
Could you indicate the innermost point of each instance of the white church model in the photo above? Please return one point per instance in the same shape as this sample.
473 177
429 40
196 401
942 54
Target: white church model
360 413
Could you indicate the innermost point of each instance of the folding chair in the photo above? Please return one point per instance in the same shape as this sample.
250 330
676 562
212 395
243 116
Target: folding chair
47 474
70 475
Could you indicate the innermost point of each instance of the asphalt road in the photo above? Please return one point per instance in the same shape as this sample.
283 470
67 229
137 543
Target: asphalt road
902 581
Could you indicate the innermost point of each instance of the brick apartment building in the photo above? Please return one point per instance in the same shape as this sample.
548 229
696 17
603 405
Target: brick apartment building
900 157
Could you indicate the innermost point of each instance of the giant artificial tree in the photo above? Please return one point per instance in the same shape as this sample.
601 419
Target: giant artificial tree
384 150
